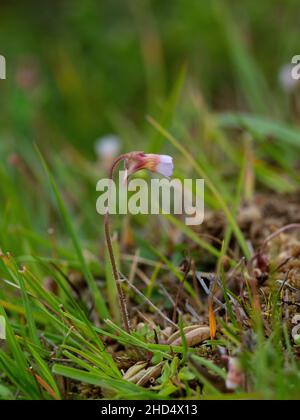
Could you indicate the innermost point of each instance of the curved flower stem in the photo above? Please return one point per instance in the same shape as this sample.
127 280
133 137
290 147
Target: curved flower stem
122 299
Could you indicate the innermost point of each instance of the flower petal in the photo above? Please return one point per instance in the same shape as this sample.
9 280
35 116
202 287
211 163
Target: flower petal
162 164
165 169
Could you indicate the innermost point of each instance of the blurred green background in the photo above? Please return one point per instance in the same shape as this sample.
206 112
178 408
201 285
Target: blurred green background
79 69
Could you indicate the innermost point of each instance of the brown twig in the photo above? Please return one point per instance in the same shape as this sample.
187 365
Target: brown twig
279 231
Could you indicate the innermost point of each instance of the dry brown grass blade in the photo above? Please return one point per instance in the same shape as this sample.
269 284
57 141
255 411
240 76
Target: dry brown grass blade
194 334
212 321
44 385
150 374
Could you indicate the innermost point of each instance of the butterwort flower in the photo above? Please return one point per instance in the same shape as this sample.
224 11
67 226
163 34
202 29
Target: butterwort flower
236 376
107 146
296 329
134 161
161 164
107 149
286 80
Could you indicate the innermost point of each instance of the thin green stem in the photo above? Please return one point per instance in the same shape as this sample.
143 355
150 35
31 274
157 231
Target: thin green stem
122 299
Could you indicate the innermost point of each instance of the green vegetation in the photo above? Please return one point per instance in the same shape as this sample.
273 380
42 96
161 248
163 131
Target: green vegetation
198 81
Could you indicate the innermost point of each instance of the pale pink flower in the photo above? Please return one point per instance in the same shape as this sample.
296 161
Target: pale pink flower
107 149
235 377
161 164
296 329
286 80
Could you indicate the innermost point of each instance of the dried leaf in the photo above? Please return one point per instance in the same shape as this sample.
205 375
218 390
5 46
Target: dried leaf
134 370
151 374
194 335
44 385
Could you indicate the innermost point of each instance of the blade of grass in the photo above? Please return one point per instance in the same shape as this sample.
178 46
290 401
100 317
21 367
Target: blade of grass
17 276
262 128
117 385
99 301
211 186
169 111
251 80
46 374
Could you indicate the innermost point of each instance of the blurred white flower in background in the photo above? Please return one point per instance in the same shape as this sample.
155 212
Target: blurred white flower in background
235 377
286 80
296 329
107 148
